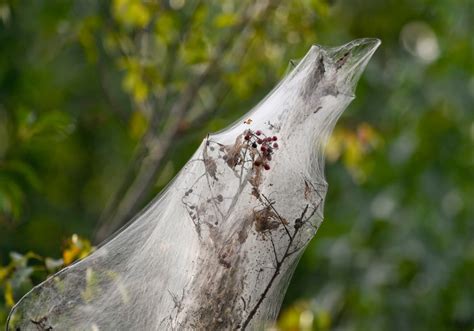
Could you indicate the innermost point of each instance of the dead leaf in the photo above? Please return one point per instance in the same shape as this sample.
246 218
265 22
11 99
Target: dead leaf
211 167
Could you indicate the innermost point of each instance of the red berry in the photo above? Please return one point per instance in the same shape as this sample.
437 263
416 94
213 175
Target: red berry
266 166
263 149
259 141
258 132
275 138
247 137
269 157
275 145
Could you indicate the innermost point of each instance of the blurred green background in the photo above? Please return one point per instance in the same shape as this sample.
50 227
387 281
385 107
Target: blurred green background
87 90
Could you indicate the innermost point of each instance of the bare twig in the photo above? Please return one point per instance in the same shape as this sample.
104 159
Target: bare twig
282 221
279 263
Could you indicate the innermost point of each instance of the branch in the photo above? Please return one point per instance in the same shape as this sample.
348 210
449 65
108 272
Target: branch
302 220
146 141
159 146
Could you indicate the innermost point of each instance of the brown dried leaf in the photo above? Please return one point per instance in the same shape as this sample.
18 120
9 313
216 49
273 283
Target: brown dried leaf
233 152
255 192
256 180
244 231
266 220
211 167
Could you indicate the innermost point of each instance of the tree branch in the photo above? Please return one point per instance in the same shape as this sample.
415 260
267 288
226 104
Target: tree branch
158 146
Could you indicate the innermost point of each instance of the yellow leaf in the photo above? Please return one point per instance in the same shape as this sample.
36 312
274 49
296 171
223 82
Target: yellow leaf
69 255
166 28
131 12
354 153
225 20
76 248
4 272
140 91
138 124
9 300
335 146
134 84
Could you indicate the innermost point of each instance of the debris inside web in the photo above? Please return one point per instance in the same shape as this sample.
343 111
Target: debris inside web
217 248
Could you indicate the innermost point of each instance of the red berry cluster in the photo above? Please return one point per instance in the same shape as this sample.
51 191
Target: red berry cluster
267 146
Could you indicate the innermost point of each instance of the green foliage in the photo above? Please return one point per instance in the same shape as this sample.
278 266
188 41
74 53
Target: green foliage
82 85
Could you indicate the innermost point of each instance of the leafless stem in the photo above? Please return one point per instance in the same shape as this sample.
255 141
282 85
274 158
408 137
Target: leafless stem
279 263
282 221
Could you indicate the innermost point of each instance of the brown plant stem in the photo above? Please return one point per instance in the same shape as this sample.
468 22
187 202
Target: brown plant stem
279 264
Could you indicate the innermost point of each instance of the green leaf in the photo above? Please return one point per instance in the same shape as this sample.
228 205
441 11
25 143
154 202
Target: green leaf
225 20
11 197
53 125
24 170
